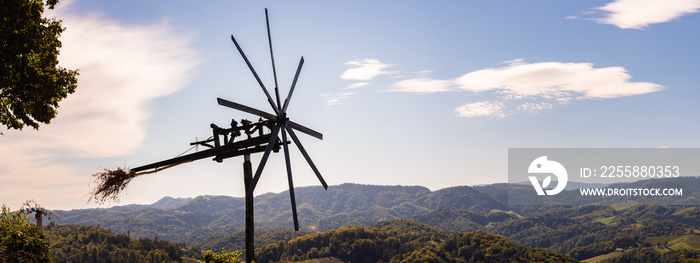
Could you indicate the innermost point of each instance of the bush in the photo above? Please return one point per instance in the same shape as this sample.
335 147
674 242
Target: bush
21 241
232 257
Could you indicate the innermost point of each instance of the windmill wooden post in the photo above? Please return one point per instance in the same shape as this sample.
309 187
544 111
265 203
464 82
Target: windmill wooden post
249 222
223 144
39 219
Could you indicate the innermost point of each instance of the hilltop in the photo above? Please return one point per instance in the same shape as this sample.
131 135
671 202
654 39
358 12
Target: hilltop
212 222
403 240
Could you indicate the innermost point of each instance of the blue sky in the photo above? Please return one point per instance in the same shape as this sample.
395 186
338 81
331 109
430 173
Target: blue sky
405 92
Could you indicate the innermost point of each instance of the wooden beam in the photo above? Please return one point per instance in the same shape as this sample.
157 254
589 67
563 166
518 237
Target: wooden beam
222 150
256 149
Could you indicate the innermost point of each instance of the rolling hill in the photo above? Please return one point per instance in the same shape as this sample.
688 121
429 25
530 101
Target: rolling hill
190 220
212 222
403 240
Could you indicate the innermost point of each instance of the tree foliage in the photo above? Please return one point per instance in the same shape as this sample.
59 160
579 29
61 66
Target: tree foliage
21 241
224 257
651 254
31 82
404 241
215 222
71 243
236 240
211 222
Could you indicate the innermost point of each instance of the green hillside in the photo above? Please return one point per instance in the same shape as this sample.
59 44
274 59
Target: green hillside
398 240
348 204
404 241
581 231
72 243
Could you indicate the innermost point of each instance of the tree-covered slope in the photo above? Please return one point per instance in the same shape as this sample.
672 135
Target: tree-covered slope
404 241
196 219
72 243
213 222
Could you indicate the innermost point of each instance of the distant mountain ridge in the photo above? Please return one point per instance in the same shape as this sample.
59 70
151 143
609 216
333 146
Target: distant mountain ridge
194 219
169 202
205 220
570 185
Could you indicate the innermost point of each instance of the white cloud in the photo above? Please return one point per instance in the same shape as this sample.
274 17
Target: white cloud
639 14
364 69
556 79
481 109
122 68
532 106
423 85
357 85
555 82
546 79
337 99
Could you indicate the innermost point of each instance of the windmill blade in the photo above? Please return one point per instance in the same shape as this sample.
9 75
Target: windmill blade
272 57
244 108
263 161
306 156
306 130
269 116
294 83
269 98
291 183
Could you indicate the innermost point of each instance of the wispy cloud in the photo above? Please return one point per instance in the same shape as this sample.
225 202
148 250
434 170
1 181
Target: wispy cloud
357 85
547 83
122 68
337 99
423 85
481 109
361 69
365 69
534 106
639 14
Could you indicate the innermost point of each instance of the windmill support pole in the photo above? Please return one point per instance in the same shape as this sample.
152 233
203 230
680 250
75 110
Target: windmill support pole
249 223
38 218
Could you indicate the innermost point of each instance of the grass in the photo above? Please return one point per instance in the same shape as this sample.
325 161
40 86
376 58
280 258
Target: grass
604 220
682 211
602 257
661 240
324 260
685 242
625 205
693 241
676 242
680 246
507 212
672 242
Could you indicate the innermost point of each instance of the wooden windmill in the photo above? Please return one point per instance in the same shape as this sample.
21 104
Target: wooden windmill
227 142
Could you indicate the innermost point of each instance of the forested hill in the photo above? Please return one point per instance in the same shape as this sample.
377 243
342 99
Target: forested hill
398 240
403 240
190 220
213 222
72 243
